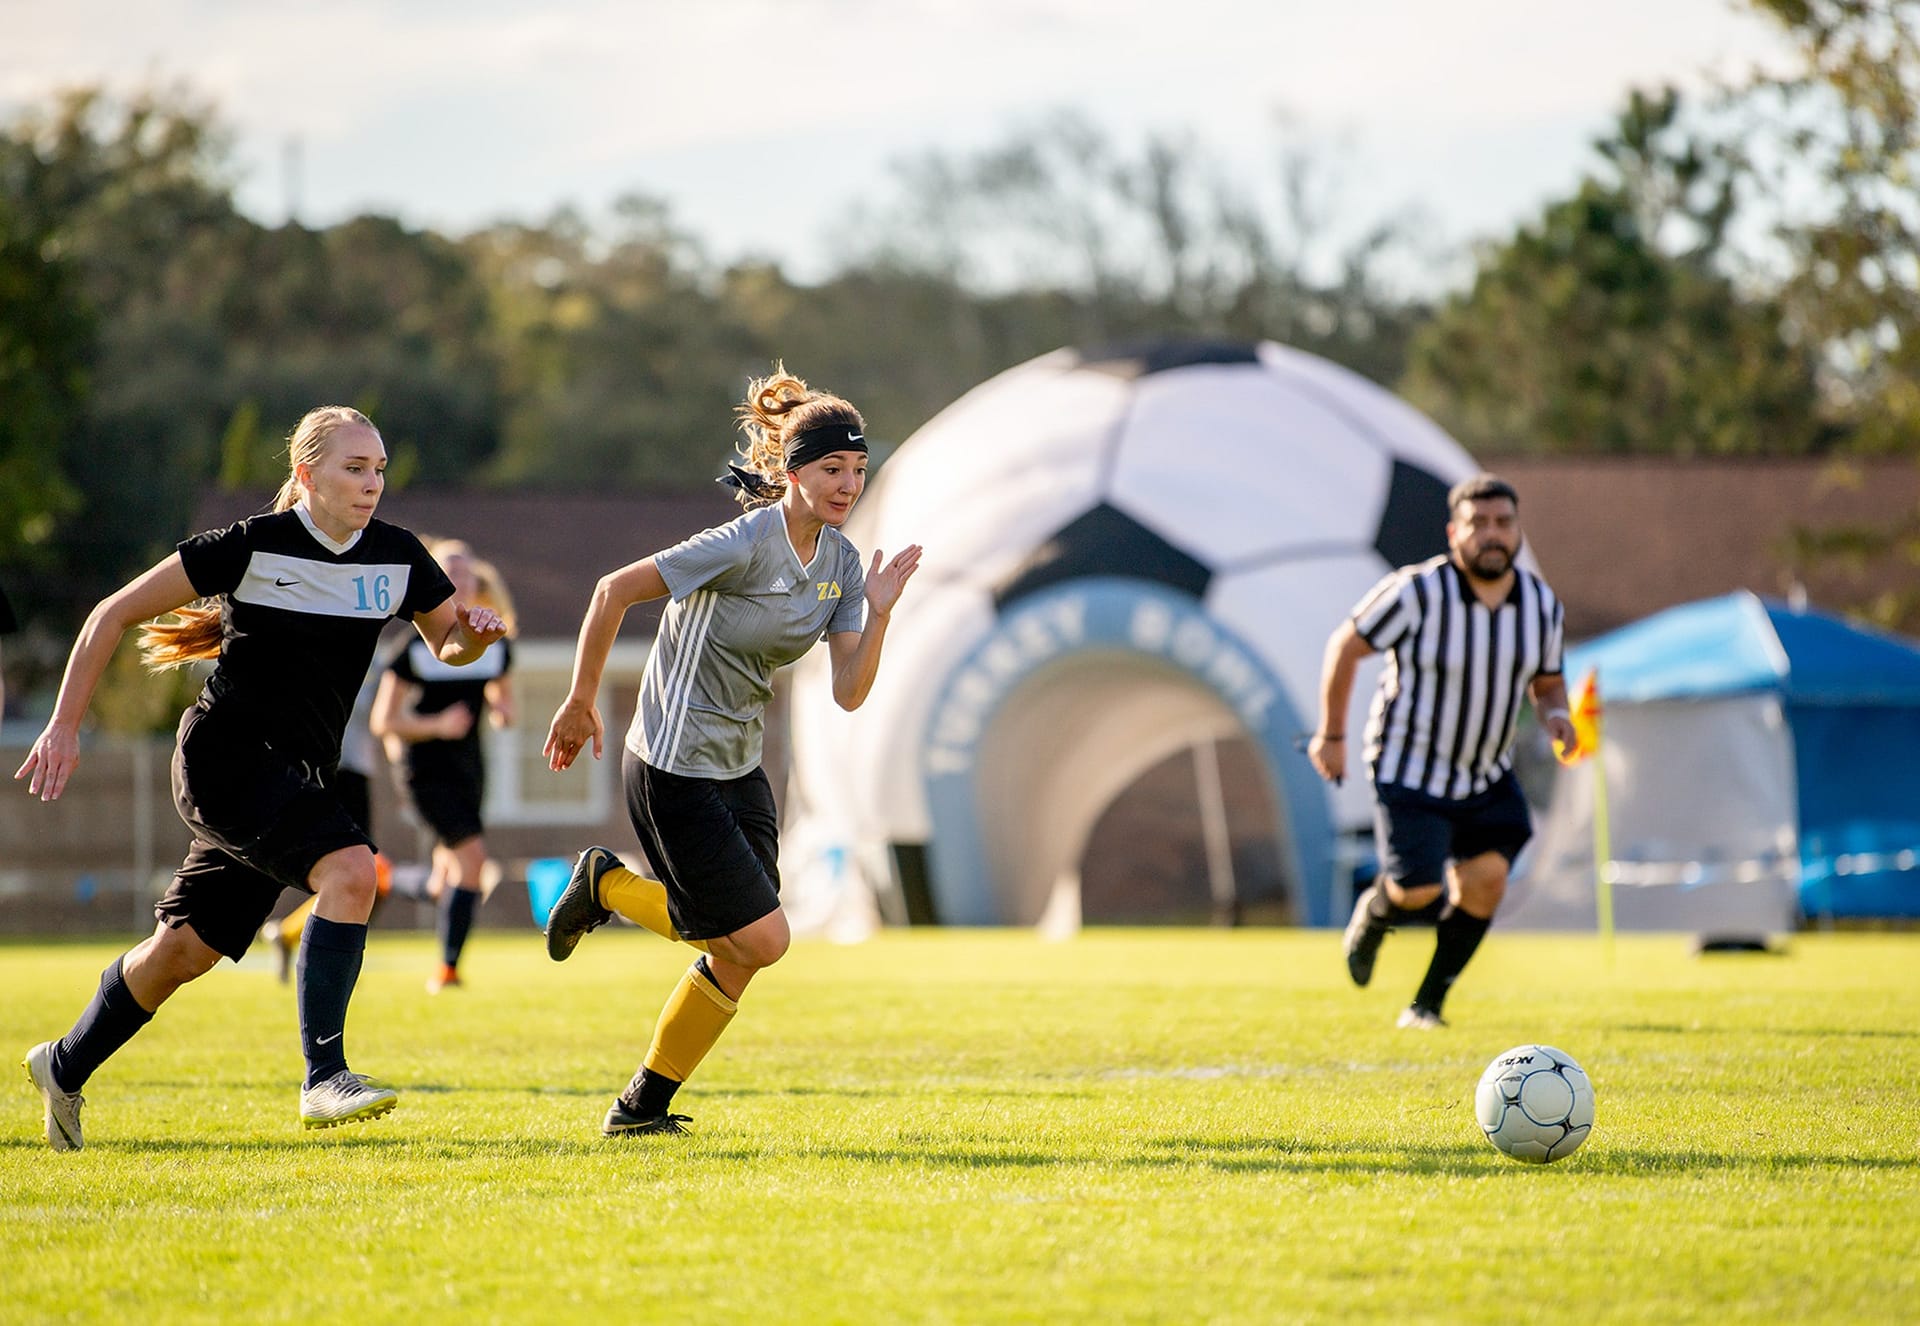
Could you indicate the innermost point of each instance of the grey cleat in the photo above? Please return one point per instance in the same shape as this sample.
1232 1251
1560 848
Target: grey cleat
578 909
63 1107
346 1097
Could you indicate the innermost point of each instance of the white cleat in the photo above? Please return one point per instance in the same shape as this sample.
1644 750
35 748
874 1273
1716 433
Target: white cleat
346 1097
63 1107
1416 1018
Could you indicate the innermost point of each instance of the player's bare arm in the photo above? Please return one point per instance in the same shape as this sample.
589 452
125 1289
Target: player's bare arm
577 721
52 758
1328 746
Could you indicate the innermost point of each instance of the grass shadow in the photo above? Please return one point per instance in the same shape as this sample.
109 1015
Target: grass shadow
1818 1033
988 1152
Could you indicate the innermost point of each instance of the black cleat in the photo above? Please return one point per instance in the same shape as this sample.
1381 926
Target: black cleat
578 909
1364 933
621 1122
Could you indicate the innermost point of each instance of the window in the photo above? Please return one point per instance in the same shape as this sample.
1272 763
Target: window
520 787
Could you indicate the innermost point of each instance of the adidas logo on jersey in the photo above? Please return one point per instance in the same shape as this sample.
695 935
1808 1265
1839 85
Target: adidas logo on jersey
777 586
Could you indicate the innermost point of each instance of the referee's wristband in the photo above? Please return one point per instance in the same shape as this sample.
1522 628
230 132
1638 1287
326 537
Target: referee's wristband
1555 713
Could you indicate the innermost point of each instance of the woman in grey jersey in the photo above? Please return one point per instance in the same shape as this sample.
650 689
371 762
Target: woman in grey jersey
747 598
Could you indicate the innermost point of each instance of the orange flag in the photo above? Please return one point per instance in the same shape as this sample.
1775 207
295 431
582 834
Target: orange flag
1585 714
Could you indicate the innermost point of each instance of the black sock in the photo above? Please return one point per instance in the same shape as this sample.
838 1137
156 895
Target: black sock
110 1021
1459 934
456 919
649 1094
328 966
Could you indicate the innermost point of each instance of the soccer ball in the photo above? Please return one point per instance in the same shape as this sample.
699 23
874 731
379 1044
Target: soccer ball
1535 1104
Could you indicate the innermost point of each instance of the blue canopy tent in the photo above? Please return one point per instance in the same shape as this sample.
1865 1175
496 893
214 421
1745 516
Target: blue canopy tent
1757 756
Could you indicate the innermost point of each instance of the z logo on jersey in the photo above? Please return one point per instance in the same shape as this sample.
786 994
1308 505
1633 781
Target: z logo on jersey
829 590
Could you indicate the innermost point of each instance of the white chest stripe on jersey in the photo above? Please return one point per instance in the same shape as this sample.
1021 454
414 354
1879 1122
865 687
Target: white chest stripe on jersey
428 667
328 589
678 690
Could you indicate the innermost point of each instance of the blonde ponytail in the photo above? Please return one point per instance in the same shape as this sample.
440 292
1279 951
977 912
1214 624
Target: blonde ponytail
193 634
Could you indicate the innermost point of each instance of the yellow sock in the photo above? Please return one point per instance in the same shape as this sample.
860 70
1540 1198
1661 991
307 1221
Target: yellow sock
642 901
294 924
695 1015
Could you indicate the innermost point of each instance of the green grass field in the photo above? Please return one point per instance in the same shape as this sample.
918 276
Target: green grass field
1134 1126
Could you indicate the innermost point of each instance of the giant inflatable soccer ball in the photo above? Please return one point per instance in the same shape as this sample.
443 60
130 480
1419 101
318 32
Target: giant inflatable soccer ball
1127 552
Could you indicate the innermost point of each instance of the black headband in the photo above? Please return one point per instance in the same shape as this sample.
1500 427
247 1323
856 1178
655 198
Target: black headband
824 440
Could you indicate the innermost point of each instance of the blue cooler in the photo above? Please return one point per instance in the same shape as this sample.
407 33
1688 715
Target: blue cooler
547 878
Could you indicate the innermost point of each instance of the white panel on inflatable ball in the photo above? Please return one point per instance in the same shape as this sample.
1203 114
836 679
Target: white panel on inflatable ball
1228 462
1411 435
987 526
995 473
1287 611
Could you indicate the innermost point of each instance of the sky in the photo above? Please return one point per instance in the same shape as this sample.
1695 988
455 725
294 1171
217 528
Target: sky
766 123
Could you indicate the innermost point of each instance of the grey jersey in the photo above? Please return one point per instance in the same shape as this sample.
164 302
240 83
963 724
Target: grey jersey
743 606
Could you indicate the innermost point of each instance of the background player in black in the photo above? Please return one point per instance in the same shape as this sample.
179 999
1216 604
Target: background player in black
299 600
433 712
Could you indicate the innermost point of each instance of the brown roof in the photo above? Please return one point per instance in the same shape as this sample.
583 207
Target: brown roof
550 547
1621 538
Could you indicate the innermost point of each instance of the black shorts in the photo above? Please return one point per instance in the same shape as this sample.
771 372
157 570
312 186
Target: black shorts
450 804
260 822
355 791
1417 834
715 843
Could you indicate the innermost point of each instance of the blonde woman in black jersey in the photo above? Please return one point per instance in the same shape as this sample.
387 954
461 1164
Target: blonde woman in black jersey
294 603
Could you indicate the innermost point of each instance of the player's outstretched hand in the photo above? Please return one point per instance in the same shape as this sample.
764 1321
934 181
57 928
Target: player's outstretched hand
574 725
884 584
50 762
483 625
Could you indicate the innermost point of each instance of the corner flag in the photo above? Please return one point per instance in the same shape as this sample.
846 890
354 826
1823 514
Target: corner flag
1585 716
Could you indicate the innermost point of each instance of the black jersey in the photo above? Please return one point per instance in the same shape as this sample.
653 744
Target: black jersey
7 623
443 685
300 616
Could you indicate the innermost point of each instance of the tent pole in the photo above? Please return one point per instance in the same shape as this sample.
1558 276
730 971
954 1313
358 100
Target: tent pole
1602 850
1214 832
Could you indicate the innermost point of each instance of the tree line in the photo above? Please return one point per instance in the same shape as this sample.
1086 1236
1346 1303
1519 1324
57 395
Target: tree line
1736 274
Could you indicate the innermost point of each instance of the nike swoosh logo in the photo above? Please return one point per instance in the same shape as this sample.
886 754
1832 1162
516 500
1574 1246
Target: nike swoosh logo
856 437
284 583
328 1040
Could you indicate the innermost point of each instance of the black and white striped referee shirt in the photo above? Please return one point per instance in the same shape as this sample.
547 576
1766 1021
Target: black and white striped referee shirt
1456 674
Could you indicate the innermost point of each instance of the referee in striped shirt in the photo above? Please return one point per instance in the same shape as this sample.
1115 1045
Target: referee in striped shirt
1468 635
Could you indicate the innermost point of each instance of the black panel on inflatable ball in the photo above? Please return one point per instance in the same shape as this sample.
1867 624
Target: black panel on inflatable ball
1135 359
1103 542
1414 525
